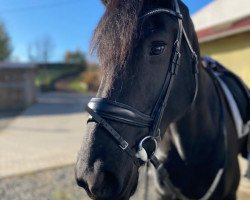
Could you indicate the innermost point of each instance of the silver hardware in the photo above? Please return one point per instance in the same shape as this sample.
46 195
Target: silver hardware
124 145
140 146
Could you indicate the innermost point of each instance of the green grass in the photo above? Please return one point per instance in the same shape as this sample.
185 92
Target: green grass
77 85
47 76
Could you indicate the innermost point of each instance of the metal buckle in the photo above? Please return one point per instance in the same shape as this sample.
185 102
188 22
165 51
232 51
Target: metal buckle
124 145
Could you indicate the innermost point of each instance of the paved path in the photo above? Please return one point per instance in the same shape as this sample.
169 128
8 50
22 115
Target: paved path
46 135
7 116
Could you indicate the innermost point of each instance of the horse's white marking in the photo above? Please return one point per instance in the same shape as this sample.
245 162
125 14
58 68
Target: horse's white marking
161 189
177 141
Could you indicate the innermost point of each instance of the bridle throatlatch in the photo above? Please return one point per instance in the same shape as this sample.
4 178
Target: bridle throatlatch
102 109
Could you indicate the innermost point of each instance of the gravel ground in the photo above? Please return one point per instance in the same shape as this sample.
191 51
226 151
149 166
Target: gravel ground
59 184
54 184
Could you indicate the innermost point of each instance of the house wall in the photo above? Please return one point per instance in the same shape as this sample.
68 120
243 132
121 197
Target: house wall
233 52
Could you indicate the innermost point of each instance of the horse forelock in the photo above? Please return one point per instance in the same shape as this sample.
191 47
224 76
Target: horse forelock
117 31
114 35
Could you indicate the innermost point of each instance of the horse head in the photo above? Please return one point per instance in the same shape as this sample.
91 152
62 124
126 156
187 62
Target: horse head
147 51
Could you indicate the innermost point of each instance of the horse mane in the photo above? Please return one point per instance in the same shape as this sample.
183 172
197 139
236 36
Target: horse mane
116 32
114 35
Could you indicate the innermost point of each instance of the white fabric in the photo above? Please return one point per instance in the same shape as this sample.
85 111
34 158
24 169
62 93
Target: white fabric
242 129
142 154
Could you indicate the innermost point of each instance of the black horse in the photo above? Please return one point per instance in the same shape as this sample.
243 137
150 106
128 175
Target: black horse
155 90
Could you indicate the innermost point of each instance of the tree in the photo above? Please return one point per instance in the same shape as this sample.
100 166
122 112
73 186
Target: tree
41 50
5 46
75 57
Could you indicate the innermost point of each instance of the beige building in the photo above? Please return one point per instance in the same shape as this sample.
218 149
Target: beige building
223 29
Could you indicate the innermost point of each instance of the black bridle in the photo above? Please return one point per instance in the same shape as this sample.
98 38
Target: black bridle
101 109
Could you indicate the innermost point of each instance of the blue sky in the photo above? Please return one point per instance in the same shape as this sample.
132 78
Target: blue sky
69 23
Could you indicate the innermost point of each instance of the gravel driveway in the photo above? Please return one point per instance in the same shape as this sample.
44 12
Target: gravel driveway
57 184
53 184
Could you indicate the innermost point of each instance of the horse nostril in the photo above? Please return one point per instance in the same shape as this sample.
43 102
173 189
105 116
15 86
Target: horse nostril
80 182
99 181
105 185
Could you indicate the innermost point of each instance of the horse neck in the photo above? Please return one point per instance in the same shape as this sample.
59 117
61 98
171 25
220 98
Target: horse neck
198 128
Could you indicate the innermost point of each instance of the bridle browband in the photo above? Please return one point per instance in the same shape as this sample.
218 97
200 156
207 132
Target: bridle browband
102 109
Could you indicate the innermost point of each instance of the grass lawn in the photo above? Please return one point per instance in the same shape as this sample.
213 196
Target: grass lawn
77 85
45 77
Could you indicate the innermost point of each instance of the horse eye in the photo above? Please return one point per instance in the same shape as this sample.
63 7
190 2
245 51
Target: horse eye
157 49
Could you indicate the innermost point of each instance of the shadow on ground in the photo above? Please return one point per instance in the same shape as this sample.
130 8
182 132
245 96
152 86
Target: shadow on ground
58 103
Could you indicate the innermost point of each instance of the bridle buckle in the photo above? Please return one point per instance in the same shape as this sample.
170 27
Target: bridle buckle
124 145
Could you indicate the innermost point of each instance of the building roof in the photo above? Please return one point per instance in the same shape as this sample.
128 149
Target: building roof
237 27
220 12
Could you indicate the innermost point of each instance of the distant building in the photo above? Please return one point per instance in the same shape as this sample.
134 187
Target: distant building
17 85
223 29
